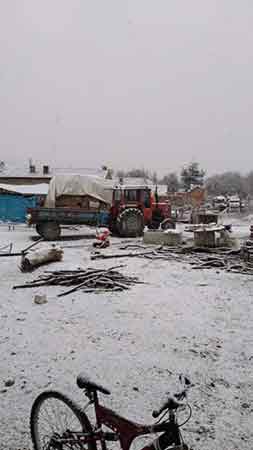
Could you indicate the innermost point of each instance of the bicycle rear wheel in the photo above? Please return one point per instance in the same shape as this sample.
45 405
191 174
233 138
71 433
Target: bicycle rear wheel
54 417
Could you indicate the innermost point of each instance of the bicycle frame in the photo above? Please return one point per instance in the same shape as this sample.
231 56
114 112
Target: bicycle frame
123 430
127 430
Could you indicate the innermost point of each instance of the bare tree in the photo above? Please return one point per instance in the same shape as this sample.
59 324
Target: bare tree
228 183
192 175
171 181
134 173
248 183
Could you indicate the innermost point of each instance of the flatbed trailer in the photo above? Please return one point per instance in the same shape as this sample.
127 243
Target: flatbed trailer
48 221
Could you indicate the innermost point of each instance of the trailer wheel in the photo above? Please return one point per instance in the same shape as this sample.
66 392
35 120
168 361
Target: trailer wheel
38 229
130 223
50 231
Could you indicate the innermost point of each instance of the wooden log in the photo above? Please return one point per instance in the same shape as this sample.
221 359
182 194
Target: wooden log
79 270
112 283
210 265
118 255
122 285
32 245
3 255
40 257
31 285
101 290
87 281
78 277
70 291
132 246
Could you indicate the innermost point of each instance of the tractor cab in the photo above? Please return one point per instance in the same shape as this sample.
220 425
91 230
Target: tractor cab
131 197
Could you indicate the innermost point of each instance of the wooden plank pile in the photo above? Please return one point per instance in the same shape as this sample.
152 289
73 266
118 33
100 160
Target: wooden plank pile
220 258
199 258
87 280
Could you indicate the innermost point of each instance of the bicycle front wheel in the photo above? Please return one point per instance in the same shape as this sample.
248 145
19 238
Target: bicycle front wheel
56 423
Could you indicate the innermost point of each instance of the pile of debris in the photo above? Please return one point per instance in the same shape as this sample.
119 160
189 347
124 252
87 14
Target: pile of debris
87 280
236 261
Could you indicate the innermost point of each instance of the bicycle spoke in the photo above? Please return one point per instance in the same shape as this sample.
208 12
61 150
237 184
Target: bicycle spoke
47 418
56 420
58 414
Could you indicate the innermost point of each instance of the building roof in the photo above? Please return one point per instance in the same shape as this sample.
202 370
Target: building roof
135 181
12 171
34 189
19 171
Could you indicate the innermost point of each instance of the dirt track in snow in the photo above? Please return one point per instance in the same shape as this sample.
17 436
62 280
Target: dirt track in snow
196 322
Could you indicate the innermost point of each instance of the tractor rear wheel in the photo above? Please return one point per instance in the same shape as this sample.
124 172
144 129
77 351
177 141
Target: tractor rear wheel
50 231
130 223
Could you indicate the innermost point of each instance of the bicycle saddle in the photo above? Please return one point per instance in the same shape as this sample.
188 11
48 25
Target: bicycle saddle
83 382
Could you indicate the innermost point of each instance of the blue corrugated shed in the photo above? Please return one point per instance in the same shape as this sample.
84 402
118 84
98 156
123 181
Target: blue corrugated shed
13 207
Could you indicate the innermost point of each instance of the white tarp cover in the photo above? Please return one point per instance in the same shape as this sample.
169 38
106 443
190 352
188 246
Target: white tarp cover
78 185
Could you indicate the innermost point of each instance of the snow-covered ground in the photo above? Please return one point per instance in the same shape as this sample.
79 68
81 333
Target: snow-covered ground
195 322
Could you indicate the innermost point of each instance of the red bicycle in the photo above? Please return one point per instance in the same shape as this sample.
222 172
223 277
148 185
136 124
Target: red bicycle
57 423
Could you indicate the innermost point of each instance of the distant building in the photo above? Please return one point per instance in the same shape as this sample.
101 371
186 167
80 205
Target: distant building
14 200
35 174
195 197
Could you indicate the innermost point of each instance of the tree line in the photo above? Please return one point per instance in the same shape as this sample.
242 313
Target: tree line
190 175
227 183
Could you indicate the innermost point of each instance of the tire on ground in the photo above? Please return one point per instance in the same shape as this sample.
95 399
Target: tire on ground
50 231
130 223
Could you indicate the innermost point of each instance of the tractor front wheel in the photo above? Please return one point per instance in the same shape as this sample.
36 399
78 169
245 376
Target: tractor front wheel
130 223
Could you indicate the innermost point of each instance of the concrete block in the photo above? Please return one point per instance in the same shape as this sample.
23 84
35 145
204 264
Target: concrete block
157 237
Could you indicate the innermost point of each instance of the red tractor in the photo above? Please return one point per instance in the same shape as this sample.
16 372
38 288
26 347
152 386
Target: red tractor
134 207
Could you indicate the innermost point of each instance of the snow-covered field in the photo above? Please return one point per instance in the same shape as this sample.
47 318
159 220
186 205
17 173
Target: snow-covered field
136 343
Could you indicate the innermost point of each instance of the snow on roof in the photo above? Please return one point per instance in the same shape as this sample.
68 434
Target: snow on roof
14 171
162 189
135 181
131 186
36 189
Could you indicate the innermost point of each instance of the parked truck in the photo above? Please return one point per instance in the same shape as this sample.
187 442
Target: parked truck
131 209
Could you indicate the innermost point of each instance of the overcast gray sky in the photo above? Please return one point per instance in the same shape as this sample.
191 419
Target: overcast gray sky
154 83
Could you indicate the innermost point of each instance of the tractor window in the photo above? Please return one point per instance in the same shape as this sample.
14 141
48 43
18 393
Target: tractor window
131 196
117 195
146 199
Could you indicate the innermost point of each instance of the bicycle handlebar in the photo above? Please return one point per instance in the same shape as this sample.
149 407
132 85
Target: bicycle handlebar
173 401
170 403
